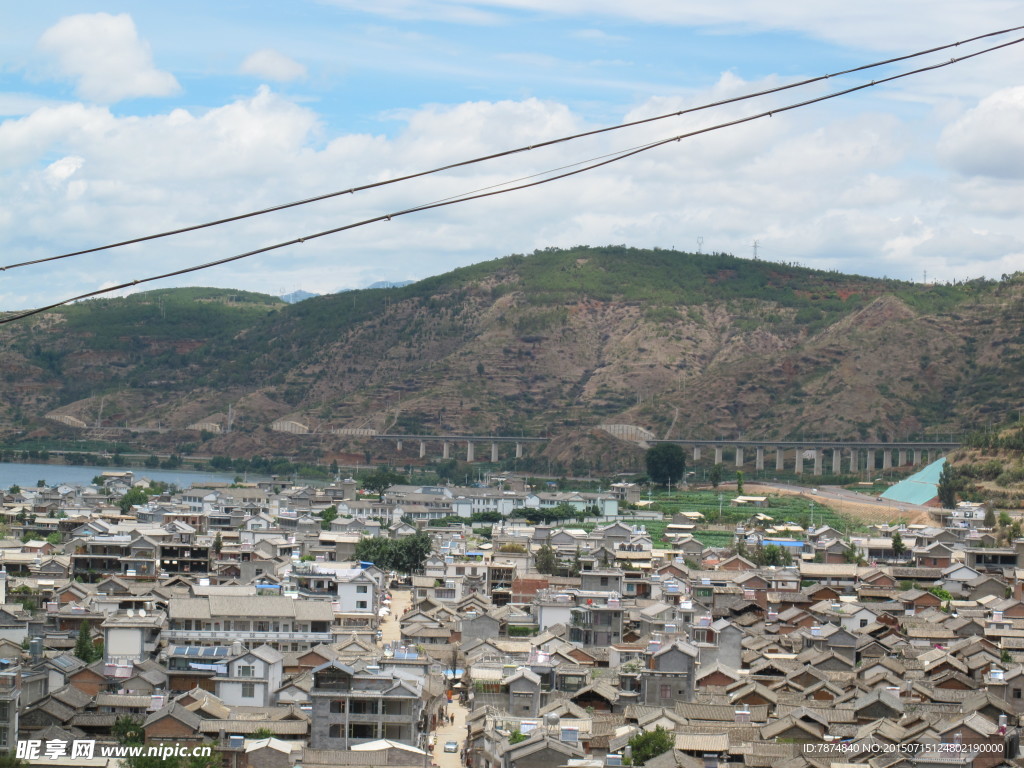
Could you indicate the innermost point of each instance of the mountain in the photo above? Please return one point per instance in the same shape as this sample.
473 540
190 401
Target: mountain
556 341
296 296
386 284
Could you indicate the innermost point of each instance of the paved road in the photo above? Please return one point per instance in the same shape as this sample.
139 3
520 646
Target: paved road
455 732
390 626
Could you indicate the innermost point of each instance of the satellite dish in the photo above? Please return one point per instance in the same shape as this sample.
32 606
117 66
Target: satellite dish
131 613
142 612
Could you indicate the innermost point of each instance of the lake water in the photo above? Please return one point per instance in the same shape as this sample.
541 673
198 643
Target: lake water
27 475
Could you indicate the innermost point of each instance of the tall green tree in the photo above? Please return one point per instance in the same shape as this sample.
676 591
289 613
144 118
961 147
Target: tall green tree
545 561
666 463
739 482
715 475
133 497
898 547
84 647
650 744
949 484
328 516
380 479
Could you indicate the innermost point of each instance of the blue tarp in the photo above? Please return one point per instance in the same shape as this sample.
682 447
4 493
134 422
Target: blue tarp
784 543
919 488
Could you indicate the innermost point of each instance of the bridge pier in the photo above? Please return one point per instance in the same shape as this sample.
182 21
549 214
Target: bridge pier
759 459
837 461
718 454
901 457
494 453
470 453
854 461
519 450
917 456
887 459
739 456
398 445
799 464
446 449
423 448
696 453
818 456
780 459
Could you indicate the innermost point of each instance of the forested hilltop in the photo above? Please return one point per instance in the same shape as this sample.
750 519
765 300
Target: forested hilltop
555 341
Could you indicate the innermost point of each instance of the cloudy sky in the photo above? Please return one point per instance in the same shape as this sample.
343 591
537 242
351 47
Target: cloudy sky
124 119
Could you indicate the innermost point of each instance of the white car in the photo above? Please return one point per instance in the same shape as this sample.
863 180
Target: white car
451 746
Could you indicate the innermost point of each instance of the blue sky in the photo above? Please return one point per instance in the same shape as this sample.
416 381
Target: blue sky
121 119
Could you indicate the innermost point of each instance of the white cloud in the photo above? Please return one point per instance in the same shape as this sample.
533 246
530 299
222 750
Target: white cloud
106 58
987 140
273 65
831 190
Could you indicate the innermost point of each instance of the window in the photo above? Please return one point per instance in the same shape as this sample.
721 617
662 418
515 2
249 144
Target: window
664 691
334 732
248 690
361 589
863 622
1016 693
246 670
360 604
337 706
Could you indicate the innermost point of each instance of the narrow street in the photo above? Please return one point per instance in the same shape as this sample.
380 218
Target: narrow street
390 627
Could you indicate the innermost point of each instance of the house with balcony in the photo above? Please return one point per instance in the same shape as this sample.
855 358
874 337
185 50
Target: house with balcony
251 678
353 589
354 706
280 622
94 557
596 620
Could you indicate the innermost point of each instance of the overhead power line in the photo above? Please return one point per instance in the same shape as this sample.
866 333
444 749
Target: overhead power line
505 153
490 191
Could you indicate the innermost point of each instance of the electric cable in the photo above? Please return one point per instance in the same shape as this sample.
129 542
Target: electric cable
490 192
504 153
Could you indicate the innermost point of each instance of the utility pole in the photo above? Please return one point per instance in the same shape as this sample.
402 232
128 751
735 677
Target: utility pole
700 245
755 250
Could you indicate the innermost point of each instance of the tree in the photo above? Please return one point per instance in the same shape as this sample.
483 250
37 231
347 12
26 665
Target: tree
666 463
990 516
262 733
54 538
328 516
949 484
650 744
715 475
381 479
899 549
739 483
134 496
14 490
545 561
218 543
128 730
84 648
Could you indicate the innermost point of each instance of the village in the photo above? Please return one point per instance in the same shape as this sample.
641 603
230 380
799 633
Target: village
244 616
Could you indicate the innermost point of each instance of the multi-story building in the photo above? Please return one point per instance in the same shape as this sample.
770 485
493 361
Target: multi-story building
10 696
355 593
251 678
280 622
356 706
